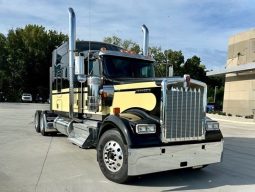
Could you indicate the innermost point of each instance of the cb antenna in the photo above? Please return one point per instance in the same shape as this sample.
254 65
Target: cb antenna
89 24
89 35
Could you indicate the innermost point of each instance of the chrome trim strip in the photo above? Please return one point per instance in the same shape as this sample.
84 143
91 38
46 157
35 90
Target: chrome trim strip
190 114
198 121
176 123
195 107
153 159
162 109
181 107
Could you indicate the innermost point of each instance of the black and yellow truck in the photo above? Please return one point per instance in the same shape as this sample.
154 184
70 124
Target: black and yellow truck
106 98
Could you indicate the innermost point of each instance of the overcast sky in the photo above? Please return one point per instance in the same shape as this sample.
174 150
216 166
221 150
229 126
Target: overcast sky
197 27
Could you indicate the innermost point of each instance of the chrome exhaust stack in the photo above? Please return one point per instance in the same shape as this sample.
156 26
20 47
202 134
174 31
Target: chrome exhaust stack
72 39
145 40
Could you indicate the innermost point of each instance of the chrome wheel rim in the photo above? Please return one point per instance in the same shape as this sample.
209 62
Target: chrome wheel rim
113 156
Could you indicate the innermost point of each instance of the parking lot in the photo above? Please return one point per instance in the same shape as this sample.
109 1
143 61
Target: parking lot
31 162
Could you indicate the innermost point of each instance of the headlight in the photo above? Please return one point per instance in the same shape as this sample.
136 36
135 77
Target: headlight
212 125
145 128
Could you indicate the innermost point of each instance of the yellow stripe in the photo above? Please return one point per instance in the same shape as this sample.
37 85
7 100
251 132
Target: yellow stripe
135 86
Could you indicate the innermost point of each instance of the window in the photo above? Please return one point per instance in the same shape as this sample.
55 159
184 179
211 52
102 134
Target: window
122 67
94 67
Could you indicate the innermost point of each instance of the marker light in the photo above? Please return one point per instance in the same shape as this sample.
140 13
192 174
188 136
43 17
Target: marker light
116 111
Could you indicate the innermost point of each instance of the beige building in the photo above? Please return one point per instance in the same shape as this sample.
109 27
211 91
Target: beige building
239 93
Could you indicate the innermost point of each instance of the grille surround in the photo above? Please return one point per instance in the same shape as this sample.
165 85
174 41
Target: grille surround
182 115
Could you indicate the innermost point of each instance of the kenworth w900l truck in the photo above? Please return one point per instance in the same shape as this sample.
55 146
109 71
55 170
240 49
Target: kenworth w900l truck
105 98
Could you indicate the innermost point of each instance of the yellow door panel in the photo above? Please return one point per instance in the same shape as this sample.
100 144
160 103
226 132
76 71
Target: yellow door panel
126 100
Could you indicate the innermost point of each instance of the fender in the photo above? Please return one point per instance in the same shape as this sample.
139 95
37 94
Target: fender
119 123
127 129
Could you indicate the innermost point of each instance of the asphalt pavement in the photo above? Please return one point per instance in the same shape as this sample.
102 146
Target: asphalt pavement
31 162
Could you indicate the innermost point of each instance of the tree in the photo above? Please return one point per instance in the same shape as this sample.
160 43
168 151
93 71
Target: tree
194 67
29 53
166 58
160 58
2 60
176 59
113 40
3 51
125 44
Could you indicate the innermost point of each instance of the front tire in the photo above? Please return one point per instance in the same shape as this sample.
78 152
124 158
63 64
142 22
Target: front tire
113 156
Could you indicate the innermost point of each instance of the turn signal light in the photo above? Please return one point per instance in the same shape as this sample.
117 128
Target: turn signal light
103 95
116 111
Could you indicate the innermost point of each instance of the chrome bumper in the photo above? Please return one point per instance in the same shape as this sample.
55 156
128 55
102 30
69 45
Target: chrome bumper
156 159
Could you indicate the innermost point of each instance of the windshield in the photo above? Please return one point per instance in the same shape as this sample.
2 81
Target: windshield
123 67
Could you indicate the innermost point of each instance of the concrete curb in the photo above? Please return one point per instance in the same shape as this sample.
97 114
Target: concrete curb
239 120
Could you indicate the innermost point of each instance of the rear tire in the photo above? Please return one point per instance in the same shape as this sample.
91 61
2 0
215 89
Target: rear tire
113 156
42 125
37 121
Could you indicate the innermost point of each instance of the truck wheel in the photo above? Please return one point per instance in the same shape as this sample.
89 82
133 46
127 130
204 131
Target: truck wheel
42 125
37 121
113 156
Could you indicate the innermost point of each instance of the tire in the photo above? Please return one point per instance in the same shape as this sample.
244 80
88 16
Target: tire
113 156
42 125
37 121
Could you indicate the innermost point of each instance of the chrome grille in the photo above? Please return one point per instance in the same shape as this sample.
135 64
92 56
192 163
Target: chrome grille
183 115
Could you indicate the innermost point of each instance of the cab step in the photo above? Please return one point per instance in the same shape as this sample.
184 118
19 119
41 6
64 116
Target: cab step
84 134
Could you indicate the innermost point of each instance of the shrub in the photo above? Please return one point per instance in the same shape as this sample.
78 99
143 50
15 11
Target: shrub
249 117
222 113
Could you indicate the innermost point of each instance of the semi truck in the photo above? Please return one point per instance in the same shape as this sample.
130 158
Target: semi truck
106 98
